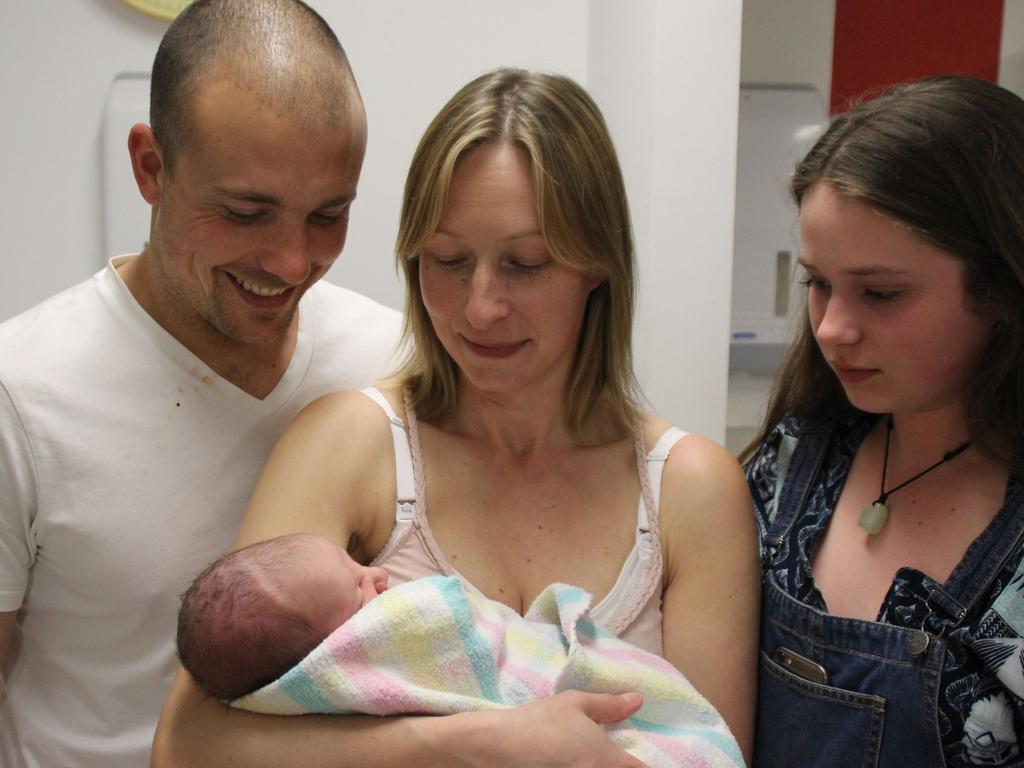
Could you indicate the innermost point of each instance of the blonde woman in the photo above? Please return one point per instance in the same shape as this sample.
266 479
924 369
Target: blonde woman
510 449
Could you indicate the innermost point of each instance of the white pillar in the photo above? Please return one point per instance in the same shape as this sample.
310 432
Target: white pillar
666 74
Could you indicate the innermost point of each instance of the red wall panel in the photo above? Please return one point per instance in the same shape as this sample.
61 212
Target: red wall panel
881 42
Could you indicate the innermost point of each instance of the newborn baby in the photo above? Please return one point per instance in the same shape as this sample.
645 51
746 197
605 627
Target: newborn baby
257 612
290 626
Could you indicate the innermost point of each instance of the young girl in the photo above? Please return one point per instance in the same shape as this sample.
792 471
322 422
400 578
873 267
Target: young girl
887 477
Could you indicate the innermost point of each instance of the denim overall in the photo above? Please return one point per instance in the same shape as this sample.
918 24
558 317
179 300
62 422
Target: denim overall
846 692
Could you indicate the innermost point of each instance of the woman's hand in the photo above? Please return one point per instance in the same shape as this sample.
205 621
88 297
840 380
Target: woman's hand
560 731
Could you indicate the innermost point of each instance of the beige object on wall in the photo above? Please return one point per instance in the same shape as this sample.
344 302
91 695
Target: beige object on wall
161 9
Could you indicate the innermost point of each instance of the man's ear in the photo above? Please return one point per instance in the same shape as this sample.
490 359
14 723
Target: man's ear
147 162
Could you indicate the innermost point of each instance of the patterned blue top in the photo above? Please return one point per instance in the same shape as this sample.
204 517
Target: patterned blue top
981 700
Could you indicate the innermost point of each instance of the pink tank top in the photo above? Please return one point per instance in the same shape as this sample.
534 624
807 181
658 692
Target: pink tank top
631 609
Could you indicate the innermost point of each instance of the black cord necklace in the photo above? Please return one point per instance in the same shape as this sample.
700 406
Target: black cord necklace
873 518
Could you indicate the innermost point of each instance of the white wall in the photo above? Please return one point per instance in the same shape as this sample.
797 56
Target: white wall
668 88
671 96
58 58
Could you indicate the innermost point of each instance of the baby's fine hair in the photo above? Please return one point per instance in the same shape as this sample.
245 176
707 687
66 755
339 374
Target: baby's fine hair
238 630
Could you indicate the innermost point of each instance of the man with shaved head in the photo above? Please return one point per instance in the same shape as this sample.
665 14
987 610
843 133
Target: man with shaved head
137 408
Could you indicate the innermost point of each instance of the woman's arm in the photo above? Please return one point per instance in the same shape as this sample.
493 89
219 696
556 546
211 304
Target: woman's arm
561 731
333 474
712 575
196 730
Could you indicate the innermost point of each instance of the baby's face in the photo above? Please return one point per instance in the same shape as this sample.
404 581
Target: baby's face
344 585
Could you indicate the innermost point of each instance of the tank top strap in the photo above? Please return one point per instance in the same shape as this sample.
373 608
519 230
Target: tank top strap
405 476
415 454
650 466
639 580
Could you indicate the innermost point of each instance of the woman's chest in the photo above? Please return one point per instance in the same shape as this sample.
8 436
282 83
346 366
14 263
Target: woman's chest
513 529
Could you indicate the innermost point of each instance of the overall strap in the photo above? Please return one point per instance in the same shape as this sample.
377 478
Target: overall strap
794 484
405 484
951 602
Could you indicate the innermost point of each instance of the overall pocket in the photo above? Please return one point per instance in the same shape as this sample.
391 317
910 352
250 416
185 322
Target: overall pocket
806 724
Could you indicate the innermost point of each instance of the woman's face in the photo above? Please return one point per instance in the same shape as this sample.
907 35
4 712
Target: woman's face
888 309
508 315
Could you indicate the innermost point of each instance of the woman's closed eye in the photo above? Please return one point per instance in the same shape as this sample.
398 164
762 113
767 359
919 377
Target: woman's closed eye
448 260
526 267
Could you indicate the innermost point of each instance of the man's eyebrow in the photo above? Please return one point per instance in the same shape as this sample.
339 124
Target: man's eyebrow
252 196
247 195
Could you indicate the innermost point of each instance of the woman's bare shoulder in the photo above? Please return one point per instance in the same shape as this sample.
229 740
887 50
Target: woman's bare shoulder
692 452
332 470
699 474
345 414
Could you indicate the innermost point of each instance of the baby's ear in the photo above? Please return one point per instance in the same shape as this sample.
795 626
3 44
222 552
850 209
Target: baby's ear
380 579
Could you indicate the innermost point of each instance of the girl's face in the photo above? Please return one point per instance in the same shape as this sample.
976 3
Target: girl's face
888 309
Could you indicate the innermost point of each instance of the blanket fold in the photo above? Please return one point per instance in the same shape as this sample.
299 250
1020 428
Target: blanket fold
437 646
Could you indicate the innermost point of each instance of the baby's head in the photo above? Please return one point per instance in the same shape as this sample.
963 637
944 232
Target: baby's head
255 613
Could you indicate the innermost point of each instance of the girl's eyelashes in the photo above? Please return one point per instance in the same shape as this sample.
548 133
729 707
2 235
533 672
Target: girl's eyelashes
813 282
881 295
871 294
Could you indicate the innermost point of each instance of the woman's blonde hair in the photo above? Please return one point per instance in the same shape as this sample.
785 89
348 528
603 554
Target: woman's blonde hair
583 217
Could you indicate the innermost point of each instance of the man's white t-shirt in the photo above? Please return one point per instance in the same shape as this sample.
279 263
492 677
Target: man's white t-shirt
125 468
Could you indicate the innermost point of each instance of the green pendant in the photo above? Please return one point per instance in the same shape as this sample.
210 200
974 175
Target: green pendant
873 518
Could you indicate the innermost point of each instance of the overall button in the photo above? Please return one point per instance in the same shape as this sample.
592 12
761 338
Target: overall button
917 643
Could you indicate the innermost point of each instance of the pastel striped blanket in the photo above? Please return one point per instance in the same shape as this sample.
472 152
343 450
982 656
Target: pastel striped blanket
437 646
